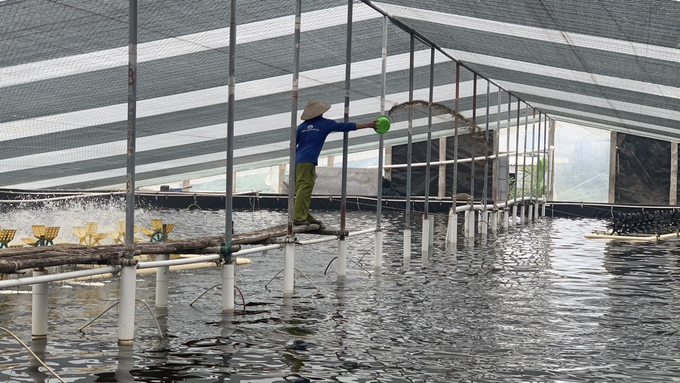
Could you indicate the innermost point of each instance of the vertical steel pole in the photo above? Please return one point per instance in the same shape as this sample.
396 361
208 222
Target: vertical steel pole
452 232
409 151
545 161
485 219
341 267
496 152
229 266
524 154
506 211
514 205
128 288
377 260
289 247
470 214
426 244
539 191
531 175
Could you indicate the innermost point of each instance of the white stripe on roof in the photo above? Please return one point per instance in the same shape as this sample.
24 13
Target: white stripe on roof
180 45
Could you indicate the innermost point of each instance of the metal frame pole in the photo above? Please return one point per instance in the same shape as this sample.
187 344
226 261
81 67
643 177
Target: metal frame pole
514 205
470 214
524 162
496 151
229 266
539 195
128 288
485 219
426 243
409 151
506 212
289 247
377 260
452 227
545 161
341 266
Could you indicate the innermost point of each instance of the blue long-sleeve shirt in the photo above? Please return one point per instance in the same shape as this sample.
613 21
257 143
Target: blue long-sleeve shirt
312 134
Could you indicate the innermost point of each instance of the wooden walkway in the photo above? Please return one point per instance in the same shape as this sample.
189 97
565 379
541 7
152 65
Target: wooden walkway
13 260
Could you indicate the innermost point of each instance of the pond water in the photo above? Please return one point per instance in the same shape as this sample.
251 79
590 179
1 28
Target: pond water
536 304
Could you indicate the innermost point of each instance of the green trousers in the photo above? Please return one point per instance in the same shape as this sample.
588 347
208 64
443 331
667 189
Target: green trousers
305 176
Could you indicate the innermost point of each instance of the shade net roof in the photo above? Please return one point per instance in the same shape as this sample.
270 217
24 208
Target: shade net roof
63 78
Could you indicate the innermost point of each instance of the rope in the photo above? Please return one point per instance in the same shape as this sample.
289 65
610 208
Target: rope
33 354
226 251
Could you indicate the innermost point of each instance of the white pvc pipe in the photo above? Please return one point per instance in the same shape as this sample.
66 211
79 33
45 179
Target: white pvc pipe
126 307
377 258
494 221
536 211
407 245
452 228
228 277
522 214
513 217
39 308
162 282
484 222
426 235
289 268
55 277
341 267
530 212
430 239
153 264
506 219
543 213
469 224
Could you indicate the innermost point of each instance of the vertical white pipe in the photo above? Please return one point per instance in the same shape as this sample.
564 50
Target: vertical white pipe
431 237
162 282
228 279
39 307
506 219
513 218
494 221
377 259
536 207
469 228
452 227
522 214
126 308
341 269
484 222
426 235
530 212
289 268
228 268
543 212
407 245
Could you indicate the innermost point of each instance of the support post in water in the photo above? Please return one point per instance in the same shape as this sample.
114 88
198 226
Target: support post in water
128 279
39 307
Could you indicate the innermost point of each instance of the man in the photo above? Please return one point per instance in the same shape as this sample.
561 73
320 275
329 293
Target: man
311 135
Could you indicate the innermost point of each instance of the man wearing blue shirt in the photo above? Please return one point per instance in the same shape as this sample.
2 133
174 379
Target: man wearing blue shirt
311 135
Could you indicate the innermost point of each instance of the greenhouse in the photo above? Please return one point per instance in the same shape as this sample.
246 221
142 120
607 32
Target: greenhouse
526 167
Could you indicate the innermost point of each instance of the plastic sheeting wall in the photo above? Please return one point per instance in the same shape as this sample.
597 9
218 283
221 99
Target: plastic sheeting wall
643 170
418 180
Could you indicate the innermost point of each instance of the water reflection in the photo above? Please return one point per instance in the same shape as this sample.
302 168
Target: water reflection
537 303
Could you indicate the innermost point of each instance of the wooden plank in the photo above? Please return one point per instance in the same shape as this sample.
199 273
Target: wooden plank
15 259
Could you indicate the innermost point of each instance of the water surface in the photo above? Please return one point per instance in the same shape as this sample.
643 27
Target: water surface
536 304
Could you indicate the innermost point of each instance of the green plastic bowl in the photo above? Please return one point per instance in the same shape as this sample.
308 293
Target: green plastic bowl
383 124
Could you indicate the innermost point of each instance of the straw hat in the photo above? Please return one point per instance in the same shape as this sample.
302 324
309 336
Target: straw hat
314 108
